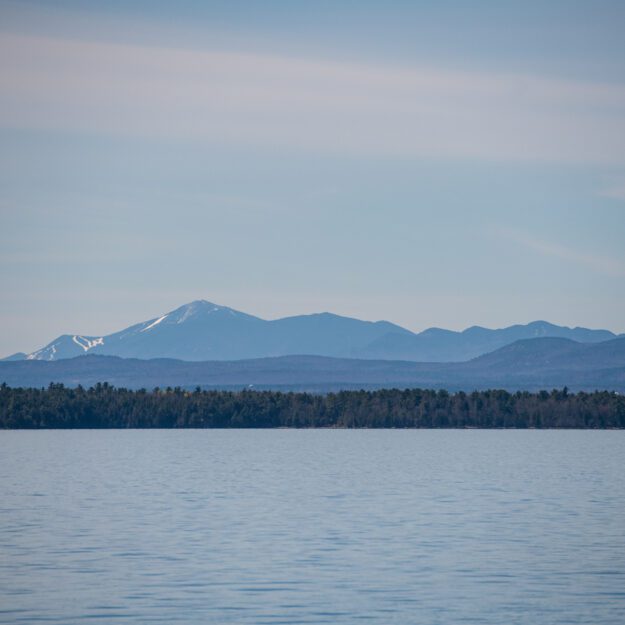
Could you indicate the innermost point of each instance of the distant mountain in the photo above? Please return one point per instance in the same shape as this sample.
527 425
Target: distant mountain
529 364
551 362
202 331
438 345
205 331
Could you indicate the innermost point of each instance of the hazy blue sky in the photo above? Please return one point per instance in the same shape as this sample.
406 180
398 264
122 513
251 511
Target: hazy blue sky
429 163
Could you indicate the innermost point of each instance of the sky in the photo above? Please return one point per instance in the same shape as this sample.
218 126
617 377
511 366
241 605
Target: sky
439 164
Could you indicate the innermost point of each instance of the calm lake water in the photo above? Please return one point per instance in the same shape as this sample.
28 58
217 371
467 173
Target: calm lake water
312 526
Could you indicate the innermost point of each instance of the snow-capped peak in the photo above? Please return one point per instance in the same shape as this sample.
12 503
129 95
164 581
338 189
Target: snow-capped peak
192 309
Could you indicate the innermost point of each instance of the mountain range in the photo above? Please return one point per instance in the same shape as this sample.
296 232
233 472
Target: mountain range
203 331
528 364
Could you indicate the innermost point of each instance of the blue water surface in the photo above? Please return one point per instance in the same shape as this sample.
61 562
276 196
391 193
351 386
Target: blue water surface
312 526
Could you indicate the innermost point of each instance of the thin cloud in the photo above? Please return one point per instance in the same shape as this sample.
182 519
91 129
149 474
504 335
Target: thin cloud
599 264
300 104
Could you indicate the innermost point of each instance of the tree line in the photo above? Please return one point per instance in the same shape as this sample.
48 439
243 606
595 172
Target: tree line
104 406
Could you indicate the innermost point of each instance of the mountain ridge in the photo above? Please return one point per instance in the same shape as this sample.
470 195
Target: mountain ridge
202 330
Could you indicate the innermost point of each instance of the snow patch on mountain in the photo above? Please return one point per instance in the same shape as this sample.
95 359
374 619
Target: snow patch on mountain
154 323
46 353
86 343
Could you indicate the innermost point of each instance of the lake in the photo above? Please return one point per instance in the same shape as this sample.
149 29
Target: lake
312 526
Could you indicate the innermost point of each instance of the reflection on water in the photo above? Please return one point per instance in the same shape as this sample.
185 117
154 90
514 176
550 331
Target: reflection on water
312 526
